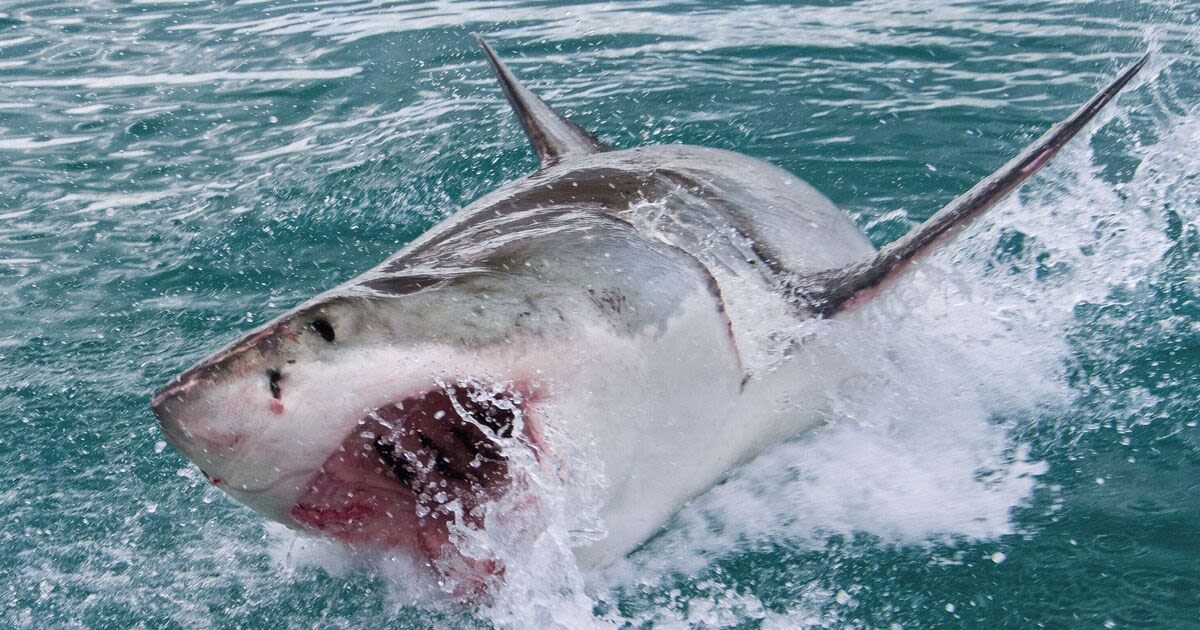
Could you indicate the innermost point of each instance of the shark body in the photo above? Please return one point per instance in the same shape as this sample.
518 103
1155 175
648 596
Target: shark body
616 314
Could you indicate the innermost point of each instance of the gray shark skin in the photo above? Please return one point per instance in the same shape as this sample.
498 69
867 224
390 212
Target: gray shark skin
612 317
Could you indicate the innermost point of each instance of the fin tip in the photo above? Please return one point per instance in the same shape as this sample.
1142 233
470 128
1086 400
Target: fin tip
552 135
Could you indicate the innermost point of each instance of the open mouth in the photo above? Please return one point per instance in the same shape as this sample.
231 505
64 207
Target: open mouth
414 468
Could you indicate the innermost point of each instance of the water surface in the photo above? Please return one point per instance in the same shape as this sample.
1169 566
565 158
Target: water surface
1022 450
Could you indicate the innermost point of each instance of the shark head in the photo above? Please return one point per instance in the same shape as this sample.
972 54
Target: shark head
354 418
409 403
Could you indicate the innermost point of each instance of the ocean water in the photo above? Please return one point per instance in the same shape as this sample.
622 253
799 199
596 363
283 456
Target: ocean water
1020 450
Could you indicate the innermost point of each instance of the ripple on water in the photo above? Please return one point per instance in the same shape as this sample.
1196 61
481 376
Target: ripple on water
177 171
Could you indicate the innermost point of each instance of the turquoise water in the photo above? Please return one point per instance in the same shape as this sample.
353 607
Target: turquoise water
1022 449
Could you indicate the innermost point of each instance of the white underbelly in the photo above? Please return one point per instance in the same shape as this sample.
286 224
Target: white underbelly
676 417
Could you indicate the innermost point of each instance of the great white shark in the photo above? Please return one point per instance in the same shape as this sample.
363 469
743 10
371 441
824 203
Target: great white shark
617 312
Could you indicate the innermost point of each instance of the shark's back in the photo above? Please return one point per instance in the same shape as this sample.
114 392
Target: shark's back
732 213
742 210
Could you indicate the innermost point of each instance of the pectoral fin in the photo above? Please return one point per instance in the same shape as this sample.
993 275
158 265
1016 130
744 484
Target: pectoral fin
836 290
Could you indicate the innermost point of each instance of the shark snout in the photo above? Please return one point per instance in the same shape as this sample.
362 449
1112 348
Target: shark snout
185 413
210 410
168 403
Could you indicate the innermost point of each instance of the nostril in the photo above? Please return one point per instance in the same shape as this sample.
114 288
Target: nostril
274 376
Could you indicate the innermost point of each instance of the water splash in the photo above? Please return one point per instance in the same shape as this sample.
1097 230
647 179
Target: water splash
1027 326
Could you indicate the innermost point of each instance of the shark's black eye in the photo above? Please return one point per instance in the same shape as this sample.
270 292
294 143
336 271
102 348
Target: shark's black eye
323 328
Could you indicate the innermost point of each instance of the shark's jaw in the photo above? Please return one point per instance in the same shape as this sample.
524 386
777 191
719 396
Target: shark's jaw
358 440
414 471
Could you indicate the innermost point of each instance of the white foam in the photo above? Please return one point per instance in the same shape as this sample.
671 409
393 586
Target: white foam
30 142
167 78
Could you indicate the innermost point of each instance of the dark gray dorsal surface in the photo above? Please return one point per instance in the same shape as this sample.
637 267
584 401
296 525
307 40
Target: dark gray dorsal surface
738 216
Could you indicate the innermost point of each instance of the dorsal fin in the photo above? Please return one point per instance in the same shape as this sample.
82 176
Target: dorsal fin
553 137
837 289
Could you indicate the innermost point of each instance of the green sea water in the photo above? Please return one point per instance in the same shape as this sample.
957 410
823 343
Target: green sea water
1021 451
